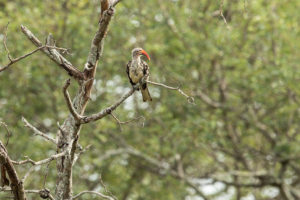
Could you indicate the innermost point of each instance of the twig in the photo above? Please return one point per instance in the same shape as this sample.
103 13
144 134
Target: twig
68 101
189 98
221 13
37 132
105 188
94 117
27 174
54 55
8 135
108 110
127 122
93 192
44 193
41 162
4 43
207 99
116 2
46 174
81 151
14 60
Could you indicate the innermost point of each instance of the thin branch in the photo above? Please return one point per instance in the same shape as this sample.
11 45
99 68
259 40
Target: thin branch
54 55
37 132
81 151
41 162
189 98
4 43
120 123
108 110
116 2
93 192
44 193
98 41
27 174
69 102
14 60
105 188
86 119
221 13
8 135
207 99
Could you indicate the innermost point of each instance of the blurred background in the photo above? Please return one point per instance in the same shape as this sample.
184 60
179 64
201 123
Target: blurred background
239 141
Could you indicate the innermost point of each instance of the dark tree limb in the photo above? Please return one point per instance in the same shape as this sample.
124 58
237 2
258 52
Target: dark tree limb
16 185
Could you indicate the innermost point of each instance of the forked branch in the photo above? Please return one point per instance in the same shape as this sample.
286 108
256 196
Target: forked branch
93 192
16 185
54 55
41 162
38 132
189 98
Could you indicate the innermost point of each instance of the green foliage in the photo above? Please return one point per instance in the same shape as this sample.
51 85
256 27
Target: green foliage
254 58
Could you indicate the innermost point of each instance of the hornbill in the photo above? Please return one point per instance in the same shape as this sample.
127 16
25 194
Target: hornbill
138 72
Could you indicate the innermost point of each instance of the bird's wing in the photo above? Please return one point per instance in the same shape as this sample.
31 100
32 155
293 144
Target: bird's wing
127 71
146 73
145 69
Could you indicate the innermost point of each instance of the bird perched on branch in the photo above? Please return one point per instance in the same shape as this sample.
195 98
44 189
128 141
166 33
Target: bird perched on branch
138 72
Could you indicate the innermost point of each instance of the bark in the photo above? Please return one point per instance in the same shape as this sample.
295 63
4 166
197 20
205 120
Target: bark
70 130
16 184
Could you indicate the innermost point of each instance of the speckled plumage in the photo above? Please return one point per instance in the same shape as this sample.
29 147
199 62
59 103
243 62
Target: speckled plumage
137 70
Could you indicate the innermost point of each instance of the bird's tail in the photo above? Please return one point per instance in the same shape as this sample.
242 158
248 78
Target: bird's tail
145 93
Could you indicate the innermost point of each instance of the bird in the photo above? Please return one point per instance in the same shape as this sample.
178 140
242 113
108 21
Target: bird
138 72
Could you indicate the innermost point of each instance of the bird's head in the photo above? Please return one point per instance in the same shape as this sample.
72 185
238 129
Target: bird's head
137 52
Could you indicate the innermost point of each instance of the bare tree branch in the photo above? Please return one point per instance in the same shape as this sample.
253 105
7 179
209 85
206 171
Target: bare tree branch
120 123
14 60
31 169
221 13
93 192
44 193
207 99
16 185
37 132
116 2
8 133
54 55
108 110
189 98
97 46
5 41
69 102
41 162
